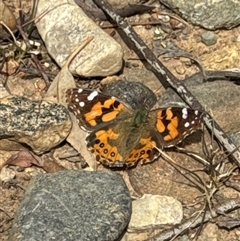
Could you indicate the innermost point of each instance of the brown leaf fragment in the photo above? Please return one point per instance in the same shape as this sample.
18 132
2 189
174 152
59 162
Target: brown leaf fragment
23 159
7 19
50 166
56 93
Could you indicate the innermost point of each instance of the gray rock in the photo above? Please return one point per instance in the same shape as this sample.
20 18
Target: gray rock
134 94
73 205
147 77
209 38
65 27
39 124
207 13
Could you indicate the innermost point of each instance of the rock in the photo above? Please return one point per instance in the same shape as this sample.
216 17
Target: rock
64 27
39 124
31 89
73 205
134 94
153 211
7 175
207 13
209 38
144 76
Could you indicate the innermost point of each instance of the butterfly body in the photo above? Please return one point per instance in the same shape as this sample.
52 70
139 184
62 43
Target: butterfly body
121 136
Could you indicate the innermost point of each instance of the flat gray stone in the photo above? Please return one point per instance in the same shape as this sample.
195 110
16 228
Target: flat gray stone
207 13
134 94
73 205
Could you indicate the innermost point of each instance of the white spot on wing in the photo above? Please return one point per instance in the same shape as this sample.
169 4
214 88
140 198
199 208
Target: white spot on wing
184 113
92 95
81 104
186 124
77 100
80 90
196 112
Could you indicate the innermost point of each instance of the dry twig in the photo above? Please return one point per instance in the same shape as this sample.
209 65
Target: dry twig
167 77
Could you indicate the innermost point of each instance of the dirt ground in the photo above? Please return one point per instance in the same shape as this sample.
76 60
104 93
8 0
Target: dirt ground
222 55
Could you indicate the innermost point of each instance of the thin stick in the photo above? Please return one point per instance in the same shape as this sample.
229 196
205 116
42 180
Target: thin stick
33 57
166 76
10 31
82 46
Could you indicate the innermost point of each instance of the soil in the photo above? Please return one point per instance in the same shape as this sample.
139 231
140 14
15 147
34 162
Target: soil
222 55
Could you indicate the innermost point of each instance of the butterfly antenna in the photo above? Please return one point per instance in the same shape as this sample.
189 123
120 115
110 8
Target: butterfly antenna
149 97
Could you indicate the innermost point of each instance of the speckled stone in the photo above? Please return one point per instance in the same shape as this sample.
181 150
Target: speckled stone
39 124
73 205
207 13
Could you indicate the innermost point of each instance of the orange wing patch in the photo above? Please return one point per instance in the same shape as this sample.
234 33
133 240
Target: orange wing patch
143 154
106 111
167 124
105 152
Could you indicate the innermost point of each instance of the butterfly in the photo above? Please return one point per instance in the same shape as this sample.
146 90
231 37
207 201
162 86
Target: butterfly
122 136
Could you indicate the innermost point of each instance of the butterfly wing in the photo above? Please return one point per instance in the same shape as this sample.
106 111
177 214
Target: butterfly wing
94 109
144 150
119 145
174 124
165 128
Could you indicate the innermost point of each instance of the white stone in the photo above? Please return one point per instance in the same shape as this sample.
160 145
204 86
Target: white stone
152 211
64 26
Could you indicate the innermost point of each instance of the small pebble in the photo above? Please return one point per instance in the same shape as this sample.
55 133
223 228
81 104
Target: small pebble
209 38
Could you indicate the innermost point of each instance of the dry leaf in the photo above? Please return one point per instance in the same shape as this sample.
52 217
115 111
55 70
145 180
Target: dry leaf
64 80
51 166
7 18
23 159
56 93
